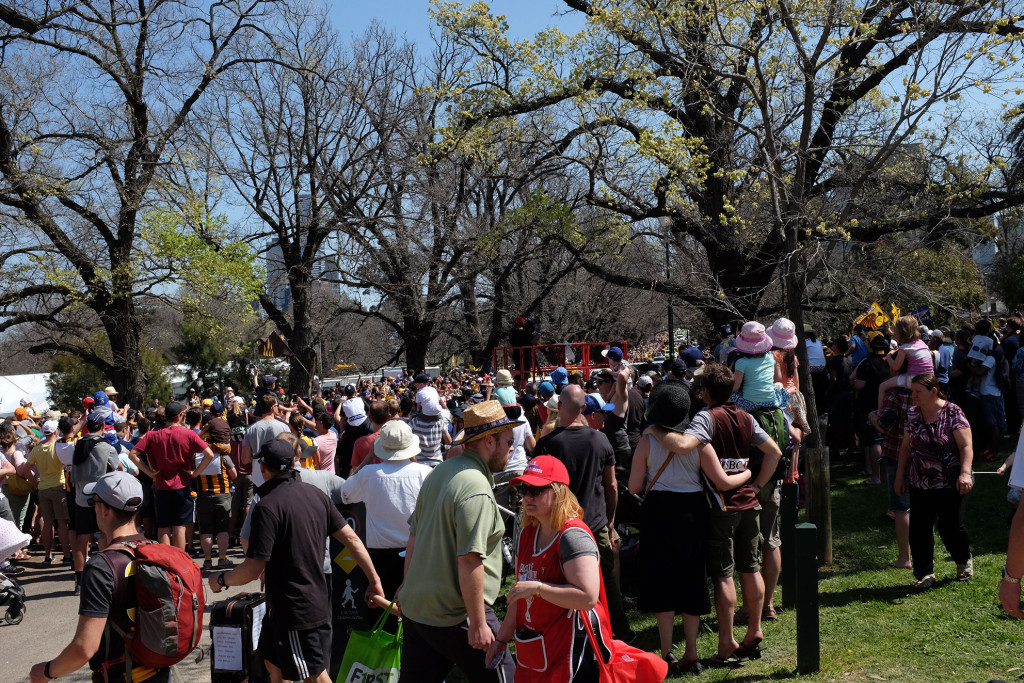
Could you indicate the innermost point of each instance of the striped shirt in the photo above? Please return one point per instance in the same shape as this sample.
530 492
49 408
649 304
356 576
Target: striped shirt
429 430
217 483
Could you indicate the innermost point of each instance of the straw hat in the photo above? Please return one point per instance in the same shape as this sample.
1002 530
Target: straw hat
503 378
481 419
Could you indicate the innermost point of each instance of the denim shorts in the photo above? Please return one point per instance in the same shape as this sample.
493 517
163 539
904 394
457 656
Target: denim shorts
993 412
896 503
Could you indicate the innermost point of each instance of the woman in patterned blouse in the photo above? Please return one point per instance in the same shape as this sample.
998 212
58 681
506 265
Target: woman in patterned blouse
935 465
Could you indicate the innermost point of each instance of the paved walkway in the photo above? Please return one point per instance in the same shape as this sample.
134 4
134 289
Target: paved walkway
53 615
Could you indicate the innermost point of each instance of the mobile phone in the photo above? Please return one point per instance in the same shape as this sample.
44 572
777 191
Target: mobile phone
295 397
497 660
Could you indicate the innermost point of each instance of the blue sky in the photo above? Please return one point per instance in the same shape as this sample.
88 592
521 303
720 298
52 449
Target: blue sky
409 17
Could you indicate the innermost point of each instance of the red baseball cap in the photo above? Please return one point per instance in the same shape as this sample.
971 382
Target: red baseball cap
543 470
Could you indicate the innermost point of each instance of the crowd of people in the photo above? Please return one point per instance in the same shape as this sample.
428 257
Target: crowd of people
704 443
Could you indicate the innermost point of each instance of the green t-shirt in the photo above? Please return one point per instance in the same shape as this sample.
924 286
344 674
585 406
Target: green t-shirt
455 515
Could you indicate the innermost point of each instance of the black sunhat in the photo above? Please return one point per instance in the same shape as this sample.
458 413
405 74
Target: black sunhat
669 406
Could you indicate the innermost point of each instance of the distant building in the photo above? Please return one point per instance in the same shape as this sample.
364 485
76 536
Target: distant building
326 276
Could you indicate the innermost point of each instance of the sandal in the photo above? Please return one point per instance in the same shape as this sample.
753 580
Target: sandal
925 583
741 617
717 661
769 614
965 572
694 668
749 651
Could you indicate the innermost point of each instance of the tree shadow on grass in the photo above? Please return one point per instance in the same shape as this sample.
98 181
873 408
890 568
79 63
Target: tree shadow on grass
866 594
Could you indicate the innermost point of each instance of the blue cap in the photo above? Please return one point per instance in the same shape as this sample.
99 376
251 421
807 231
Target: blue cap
546 389
593 405
614 353
560 376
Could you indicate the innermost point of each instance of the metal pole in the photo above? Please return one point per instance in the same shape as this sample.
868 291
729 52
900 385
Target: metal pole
671 322
808 647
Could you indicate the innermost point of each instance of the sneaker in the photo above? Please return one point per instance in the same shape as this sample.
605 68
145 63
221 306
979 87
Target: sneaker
225 563
965 572
12 571
78 588
207 565
925 583
68 560
49 560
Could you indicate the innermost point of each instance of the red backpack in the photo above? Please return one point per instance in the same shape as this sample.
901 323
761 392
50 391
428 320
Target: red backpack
168 601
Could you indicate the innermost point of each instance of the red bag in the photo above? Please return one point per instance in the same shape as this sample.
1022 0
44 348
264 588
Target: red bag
169 602
622 663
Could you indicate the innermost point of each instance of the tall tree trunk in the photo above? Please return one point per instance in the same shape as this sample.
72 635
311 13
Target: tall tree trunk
819 497
302 364
121 323
417 336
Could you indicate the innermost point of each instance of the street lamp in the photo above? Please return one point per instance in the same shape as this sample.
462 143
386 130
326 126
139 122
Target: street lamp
671 322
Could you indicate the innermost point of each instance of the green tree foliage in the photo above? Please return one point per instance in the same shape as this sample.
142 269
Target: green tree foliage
764 132
71 380
92 113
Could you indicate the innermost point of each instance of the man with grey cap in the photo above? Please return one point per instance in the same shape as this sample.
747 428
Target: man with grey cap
290 523
93 458
116 497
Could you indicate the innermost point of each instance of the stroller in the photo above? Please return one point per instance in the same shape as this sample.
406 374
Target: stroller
12 595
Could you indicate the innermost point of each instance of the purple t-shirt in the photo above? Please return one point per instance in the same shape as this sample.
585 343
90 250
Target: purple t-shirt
934 454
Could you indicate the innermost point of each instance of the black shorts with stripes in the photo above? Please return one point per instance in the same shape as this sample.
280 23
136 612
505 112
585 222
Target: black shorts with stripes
298 654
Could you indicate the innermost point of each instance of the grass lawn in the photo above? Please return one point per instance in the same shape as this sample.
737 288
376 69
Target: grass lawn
874 625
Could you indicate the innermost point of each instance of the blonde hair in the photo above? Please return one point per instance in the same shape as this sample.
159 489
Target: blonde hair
565 508
290 438
906 330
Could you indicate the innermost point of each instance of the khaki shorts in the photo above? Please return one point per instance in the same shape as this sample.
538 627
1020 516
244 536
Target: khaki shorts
52 503
770 497
734 543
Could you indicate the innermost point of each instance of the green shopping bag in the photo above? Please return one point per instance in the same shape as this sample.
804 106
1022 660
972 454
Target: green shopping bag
372 656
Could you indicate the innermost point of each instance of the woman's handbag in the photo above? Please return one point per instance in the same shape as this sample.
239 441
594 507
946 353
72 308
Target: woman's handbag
372 656
19 485
622 663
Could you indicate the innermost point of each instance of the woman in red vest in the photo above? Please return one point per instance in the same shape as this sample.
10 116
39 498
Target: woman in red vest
558 579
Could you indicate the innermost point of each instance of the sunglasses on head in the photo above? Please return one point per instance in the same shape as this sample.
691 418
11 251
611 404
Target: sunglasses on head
528 490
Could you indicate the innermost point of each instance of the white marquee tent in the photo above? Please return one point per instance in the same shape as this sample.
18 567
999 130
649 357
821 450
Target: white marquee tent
15 387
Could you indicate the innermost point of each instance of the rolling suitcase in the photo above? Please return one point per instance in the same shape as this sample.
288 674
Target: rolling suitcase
235 626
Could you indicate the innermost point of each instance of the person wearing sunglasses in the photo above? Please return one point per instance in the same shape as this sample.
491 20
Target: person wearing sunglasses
557 572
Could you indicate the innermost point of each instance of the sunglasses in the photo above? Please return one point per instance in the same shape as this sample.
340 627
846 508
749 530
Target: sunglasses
534 491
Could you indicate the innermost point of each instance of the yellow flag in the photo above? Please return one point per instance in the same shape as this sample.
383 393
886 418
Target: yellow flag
874 318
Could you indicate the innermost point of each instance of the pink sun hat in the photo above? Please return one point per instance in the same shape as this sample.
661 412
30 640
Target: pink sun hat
753 339
783 334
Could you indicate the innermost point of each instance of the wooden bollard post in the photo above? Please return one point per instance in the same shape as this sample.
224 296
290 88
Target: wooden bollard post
808 646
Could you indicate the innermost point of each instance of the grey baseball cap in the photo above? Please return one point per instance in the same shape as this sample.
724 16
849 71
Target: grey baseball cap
119 490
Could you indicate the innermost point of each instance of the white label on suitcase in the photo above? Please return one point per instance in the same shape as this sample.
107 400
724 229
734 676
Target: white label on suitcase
227 648
257 623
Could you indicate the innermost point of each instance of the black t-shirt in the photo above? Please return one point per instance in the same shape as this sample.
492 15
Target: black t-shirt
636 423
290 524
873 370
586 453
346 442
